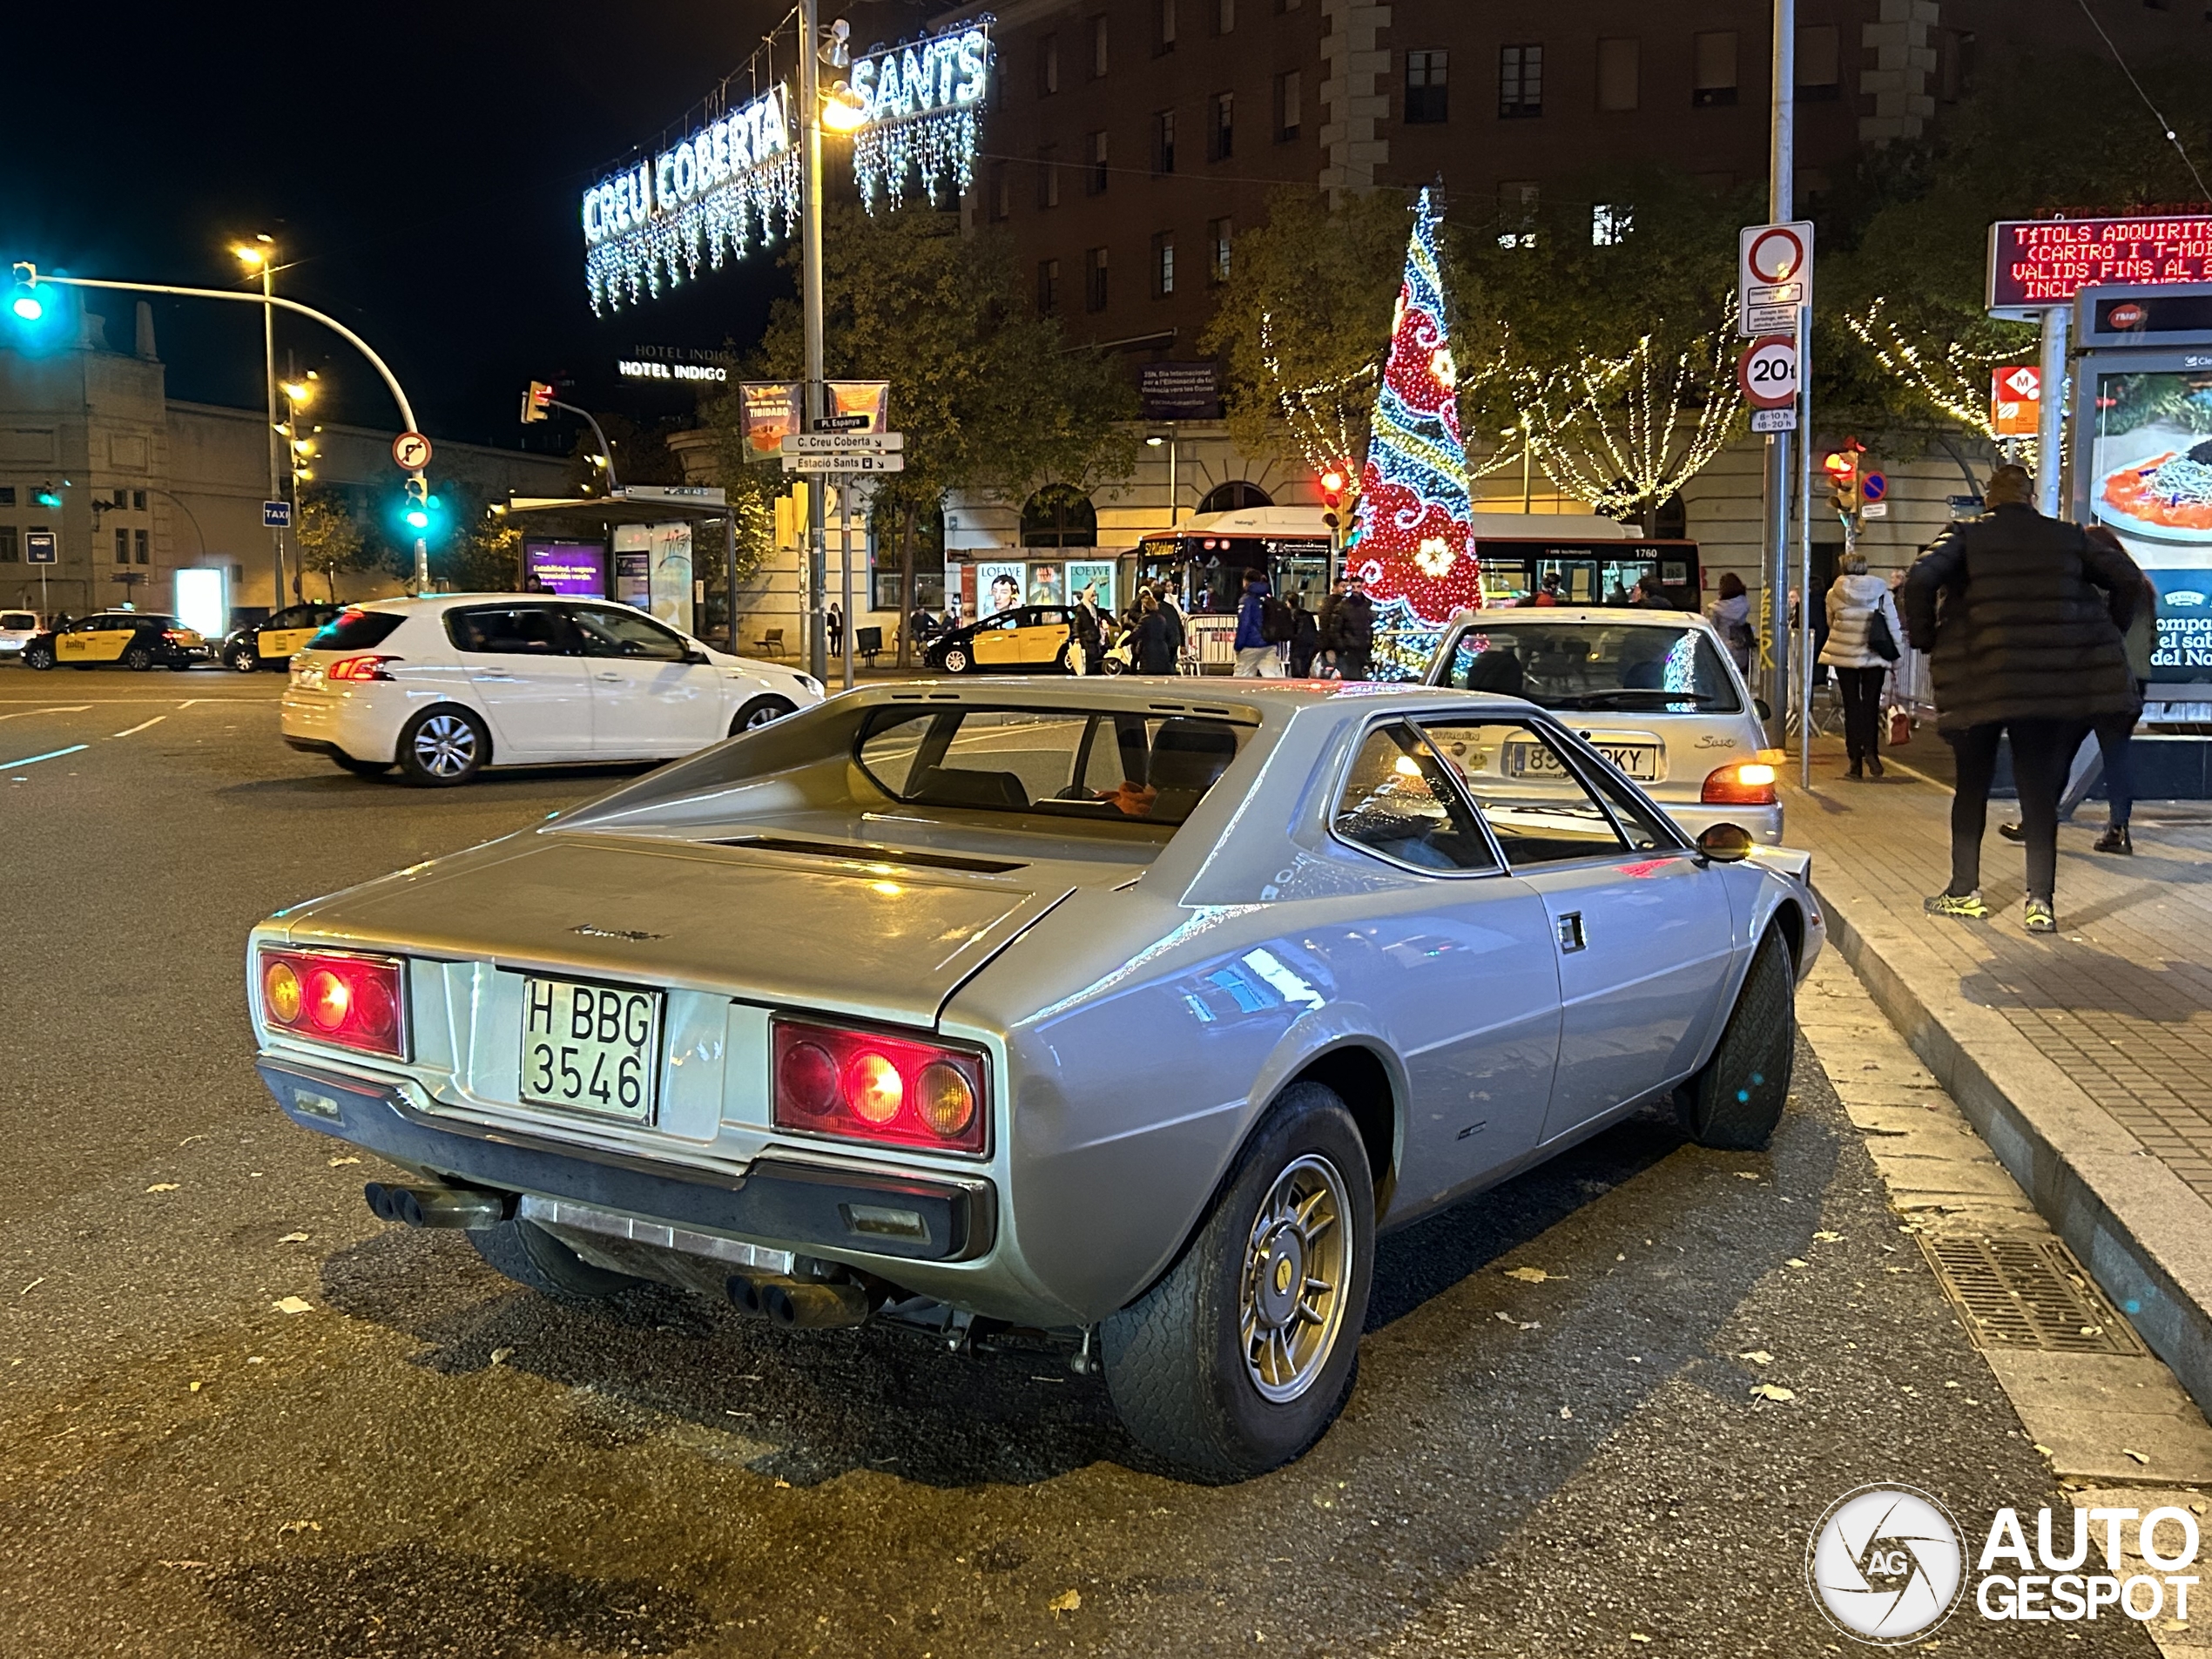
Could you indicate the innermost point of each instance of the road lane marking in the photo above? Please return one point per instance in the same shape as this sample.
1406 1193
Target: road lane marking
141 727
57 708
51 754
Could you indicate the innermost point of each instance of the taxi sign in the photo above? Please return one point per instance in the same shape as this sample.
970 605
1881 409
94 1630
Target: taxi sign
39 547
276 514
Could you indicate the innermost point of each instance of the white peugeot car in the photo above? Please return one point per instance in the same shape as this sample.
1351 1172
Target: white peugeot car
443 687
17 629
1654 692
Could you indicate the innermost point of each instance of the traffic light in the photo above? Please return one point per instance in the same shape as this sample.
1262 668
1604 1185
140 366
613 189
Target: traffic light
32 311
536 402
1843 475
422 514
47 497
1331 482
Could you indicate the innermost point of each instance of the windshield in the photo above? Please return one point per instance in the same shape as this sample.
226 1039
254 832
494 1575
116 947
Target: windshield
1104 767
1593 664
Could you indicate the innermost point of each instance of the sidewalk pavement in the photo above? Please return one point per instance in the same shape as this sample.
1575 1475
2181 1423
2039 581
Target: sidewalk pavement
2083 1058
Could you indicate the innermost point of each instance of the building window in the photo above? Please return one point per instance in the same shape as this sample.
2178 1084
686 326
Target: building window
1095 174
1164 141
1620 69
10 553
1048 176
1289 87
1714 81
1224 17
7 495
1048 288
139 501
1098 47
1237 496
1048 67
1221 140
1517 212
1001 195
139 545
1164 40
1819 62
1425 89
1521 81
1162 265
1610 222
123 547
1059 515
1218 234
1095 279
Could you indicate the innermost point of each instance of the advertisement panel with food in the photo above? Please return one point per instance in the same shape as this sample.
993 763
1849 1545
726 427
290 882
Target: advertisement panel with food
2149 480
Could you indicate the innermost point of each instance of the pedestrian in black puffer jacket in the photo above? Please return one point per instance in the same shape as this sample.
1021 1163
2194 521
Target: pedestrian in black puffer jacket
2021 616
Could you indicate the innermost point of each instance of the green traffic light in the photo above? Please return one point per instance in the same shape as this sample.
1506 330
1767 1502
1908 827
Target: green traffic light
417 519
27 305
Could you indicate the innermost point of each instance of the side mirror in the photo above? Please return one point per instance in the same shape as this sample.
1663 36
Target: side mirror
1725 843
1764 710
696 657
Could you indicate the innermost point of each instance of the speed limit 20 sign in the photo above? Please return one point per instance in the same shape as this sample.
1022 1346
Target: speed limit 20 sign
1768 372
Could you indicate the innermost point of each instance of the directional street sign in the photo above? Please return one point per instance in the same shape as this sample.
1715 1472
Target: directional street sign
845 462
1773 276
276 514
843 443
411 452
844 423
39 547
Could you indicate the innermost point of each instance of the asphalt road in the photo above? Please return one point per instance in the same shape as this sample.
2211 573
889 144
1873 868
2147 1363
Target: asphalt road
431 1462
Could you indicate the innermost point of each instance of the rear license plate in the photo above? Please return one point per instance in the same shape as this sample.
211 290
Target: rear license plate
590 1048
1636 760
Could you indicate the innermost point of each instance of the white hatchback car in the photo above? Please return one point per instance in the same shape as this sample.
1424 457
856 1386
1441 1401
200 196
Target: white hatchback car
17 629
1654 692
443 687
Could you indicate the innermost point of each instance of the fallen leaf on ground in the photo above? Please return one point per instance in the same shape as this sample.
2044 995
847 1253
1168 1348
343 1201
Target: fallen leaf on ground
1530 1325
300 1526
334 1162
1771 1391
1066 1601
1567 1413
163 1186
1502 1314
2044 1449
1827 1238
1531 1275
292 1305
500 1356
1757 1357
1747 1174
1638 1636
293 1238
195 1387
1795 1262
2138 1456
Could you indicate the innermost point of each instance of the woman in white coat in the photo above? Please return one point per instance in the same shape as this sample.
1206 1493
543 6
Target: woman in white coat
1854 603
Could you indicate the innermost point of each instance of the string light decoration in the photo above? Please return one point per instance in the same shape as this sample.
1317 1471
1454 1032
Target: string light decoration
1626 432
1952 378
1413 542
913 113
1328 419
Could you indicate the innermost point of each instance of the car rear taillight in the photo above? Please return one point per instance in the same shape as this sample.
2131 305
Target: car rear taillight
332 996
1747 783
866 1086
359 668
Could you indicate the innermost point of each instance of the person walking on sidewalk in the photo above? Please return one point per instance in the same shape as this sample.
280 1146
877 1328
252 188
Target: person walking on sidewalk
1258 656
1731 615
1863 635
2021 616
1355 629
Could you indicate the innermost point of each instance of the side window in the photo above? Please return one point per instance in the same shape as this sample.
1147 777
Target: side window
621 633
520 631
1398 801
292 616
1530 797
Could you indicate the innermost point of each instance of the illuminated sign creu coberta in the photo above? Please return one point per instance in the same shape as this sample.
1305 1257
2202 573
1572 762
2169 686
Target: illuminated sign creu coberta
916 111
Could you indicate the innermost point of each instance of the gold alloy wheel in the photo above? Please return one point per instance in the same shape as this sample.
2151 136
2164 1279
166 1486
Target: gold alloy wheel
1289 1304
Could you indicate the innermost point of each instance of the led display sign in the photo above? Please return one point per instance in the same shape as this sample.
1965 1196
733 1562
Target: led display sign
2038 263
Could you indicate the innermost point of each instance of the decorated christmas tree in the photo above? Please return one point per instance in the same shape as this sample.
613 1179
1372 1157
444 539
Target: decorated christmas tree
1414 528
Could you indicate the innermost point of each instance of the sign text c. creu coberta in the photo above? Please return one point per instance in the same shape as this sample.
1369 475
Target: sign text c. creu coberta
735 180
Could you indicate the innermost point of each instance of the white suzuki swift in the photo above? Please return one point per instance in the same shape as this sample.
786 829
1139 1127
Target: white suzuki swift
443 687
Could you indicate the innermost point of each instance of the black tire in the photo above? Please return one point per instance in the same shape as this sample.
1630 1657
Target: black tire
1734 1104
957 659
533 1257
443 746
244 660
762 711
139 658
362 768
40 658
1178 1365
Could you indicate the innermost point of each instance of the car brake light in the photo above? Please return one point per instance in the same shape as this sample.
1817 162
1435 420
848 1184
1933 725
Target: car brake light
870 1086
359 668
1747 783
336 997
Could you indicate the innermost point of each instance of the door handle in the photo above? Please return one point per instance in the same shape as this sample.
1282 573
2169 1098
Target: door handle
613 679
1569 929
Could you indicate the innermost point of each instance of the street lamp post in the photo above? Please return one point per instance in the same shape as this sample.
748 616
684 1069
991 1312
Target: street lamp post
809 287
260 254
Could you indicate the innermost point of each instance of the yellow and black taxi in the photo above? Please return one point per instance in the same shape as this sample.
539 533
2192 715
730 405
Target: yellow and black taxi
136 639
1024 639
272 642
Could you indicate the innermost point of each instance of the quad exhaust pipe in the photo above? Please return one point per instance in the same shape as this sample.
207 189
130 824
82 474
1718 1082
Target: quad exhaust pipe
466 1207
799 1303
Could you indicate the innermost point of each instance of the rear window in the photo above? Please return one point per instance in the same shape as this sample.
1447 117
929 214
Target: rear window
357 630
1105 767
18 620
1595 665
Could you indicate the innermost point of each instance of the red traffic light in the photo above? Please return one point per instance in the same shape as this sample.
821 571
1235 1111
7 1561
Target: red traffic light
1331 482
1841 466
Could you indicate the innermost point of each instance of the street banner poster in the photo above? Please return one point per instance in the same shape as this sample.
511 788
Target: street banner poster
2150 483
1093 573
868 400
670 582
1044 585
772 411
633 565
576 568
1180 391
998 586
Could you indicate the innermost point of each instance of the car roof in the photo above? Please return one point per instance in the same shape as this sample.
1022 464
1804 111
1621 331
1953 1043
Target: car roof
433 605
1628 616
1160 694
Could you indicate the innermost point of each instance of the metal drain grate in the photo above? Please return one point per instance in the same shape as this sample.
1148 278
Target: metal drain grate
2016 1293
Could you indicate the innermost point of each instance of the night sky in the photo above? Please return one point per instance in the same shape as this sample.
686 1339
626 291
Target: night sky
422 164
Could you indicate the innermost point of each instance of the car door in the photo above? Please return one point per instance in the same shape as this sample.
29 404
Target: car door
1044 634
996 642
1458 960
96 639
1639 924
288 632
649 697
525 665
